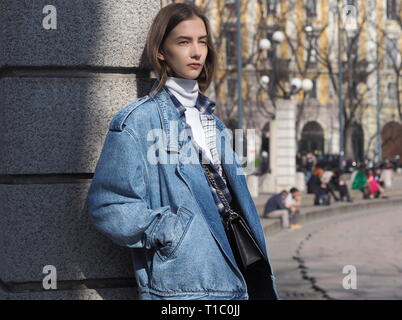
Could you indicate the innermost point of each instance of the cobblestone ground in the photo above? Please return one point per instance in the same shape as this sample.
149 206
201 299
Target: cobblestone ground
309 262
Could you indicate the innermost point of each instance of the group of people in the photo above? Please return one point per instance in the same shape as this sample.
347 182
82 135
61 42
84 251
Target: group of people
324 183
286 206
370 182
327 185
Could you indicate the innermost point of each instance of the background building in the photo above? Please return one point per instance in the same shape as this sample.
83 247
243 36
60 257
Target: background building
370 48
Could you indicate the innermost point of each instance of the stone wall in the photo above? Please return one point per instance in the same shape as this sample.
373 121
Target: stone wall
65 70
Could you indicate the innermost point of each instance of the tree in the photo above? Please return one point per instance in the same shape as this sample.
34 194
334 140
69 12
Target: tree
392 50
356 70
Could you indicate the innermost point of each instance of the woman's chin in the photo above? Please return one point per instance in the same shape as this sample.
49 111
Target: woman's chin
189 77
192 75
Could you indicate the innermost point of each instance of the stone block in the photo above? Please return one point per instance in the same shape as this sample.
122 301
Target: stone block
285 151
285 133
285 171
286 161
301 181
285 182
59 125
87 33
285 143
252 182
83 294
267 183
49 225
285 115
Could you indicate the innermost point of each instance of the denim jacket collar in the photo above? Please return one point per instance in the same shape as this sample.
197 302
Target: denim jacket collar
163 99
167 114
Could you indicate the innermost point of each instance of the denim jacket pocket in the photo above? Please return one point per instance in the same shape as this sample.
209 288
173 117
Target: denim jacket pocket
178 229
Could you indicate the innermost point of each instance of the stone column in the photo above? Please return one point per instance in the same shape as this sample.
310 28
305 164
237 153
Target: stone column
283 145
66 67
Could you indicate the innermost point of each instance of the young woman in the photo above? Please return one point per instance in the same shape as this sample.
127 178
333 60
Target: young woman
150 192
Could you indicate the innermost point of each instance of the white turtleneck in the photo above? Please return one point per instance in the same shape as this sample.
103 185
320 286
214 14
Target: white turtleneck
186 91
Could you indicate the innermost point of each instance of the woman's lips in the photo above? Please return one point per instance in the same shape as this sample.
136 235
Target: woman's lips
194 66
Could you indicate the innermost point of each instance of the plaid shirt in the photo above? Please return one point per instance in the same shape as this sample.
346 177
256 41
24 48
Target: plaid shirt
206 107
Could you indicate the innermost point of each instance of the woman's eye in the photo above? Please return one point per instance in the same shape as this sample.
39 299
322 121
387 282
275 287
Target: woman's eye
203 42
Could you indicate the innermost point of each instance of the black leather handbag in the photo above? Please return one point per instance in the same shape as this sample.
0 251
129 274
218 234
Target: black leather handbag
244 246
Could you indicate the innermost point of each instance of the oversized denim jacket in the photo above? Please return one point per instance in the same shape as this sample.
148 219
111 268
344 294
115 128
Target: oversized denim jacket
148 196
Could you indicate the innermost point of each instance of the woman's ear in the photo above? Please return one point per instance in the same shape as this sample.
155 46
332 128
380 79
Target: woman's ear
160 56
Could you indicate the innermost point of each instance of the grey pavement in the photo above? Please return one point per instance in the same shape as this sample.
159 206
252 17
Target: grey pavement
368 244
308 263
311 212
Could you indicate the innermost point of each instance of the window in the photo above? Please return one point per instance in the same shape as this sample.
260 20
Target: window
310 49
391 52
272 6
313 92
231 46
392 91
392 10
354 4
230 4
313 59
311 8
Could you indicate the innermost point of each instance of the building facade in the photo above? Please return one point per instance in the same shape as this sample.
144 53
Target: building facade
359 40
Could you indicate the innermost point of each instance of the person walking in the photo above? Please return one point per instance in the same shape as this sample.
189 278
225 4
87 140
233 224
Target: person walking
167 173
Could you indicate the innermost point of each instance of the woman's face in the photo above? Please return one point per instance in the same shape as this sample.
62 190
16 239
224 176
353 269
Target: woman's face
186 44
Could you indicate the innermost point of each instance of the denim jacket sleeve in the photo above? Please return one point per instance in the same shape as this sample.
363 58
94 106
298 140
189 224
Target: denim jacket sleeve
116 199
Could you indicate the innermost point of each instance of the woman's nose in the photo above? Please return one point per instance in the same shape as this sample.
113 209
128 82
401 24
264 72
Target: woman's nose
196 50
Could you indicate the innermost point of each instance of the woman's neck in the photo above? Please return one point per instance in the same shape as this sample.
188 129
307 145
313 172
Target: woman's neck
185 90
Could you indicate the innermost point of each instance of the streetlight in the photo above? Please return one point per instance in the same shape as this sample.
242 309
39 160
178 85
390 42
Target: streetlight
307 85
265 44
350 28
308 29
278 36
270 46
264 81
296 84
278 74
240 140
336 10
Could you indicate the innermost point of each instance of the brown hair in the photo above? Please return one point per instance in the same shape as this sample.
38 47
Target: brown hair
318 172
164 22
